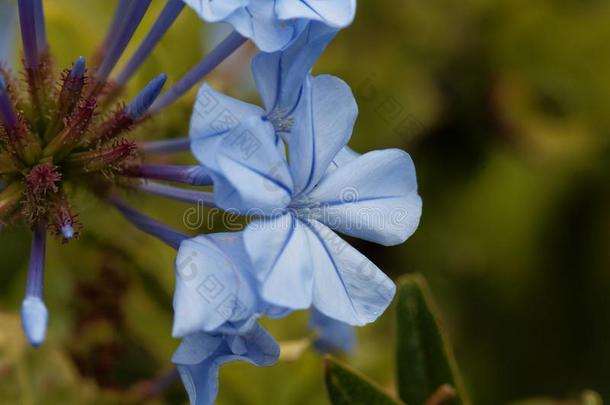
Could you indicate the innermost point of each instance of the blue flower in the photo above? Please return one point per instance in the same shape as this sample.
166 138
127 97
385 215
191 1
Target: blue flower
273 25
300 198
200 356
333 336
214 290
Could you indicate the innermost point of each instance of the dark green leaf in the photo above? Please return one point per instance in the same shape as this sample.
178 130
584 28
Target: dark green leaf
347 387
425 361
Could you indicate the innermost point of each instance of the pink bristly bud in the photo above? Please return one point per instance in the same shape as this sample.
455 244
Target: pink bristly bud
99 159
73 133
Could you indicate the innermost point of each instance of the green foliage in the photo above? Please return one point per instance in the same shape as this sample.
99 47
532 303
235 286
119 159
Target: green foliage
424 356
347 387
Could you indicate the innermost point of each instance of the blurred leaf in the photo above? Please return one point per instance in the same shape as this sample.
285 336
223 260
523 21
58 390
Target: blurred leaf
591 398
346 387
425 361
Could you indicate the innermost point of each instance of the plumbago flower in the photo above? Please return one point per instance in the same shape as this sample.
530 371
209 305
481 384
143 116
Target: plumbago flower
297 260
286 166
273 25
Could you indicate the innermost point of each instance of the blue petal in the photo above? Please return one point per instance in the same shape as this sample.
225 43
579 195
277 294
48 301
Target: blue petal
214 115
344 156
215 11
280 75
211 287
323 124
336 13
259 22
373 197
250 175
200 356
333 336
347 286
281 261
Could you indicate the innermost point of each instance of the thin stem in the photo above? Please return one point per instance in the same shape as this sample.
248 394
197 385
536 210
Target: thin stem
34 286
170 12
192 175
164 233
113 31
41 30
27 21
133 17
209 63
162 147
179 194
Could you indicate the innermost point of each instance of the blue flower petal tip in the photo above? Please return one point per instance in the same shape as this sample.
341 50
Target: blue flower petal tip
78 68
67 231
142 102
34 317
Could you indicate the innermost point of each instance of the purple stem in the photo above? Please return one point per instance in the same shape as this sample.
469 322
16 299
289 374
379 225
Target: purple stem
170 12
133 16
192 175
179 194
148 225
34 284
209 63
41 30
169 146
7 113
116 24
27 21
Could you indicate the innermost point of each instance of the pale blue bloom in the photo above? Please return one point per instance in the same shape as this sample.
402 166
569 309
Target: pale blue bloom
200 356
332 336
297 259
215 291
273 25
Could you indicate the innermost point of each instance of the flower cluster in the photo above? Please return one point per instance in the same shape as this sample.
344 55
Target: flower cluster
286 166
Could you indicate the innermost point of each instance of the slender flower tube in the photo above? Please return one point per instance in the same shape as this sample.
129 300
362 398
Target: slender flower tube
170 12
134 14
192 175
169 146
27 19
209 63
147 225
179 194
34 314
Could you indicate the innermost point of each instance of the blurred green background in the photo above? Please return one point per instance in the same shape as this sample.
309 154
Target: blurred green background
504 106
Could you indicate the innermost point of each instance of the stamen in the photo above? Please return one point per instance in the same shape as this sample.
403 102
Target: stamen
133 16
179 194
168 146
148 225
192 175
209 63
170 12
34 314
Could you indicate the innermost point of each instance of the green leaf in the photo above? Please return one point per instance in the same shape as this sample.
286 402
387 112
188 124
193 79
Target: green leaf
347 387
425 360
591 398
